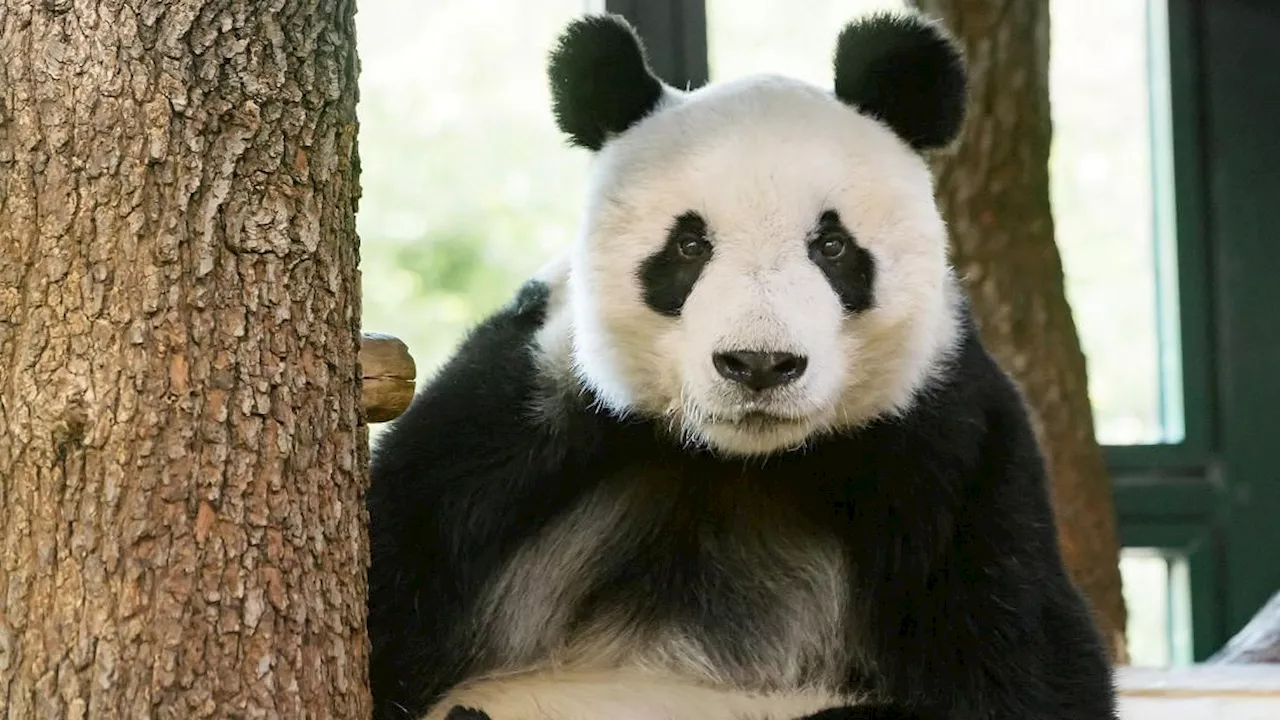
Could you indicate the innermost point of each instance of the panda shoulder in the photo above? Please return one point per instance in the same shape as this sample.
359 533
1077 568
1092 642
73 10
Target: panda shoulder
546 295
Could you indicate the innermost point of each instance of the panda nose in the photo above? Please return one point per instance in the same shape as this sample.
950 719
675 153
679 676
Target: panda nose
759 370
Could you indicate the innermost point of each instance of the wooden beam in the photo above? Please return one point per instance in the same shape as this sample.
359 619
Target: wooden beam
387 378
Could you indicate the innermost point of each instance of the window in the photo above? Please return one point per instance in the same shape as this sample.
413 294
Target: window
1112 198
1157 593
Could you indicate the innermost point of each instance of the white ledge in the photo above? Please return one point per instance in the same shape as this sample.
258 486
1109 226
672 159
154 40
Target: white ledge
1202 692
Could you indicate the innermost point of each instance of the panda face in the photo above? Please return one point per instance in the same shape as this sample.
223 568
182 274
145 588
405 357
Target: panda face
761 261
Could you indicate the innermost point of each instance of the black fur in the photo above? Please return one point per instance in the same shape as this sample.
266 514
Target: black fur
852 275
965 610
601 81
906 71
667 277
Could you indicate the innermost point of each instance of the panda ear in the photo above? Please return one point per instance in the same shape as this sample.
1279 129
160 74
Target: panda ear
601 81
907 72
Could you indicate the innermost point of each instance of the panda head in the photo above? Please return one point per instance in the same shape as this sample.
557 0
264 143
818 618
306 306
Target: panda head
761 261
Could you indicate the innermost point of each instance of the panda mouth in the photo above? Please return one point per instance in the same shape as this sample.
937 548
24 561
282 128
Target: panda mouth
753 431
759 421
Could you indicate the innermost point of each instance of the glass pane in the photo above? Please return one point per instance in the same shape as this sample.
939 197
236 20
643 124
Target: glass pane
467 185
1111 189
1110 179
1156 594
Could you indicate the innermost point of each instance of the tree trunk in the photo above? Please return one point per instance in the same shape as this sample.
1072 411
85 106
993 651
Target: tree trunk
182 461
994 190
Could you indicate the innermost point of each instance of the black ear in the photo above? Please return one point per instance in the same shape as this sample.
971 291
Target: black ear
601 82
906 71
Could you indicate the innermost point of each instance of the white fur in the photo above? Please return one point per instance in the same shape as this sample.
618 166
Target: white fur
552 695
533 665
553 344
760 159
799 634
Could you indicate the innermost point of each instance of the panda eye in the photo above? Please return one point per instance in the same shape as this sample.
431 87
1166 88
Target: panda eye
693 246
831 244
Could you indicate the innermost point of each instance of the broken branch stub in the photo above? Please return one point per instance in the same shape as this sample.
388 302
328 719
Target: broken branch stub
387 378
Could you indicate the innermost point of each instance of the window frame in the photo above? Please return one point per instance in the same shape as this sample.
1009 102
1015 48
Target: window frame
1188 280
1173 496
675 36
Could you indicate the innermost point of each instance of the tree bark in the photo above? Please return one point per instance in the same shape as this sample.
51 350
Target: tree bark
182 462
994 189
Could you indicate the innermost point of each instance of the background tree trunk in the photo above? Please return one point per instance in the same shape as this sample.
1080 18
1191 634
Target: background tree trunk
995 193
182 461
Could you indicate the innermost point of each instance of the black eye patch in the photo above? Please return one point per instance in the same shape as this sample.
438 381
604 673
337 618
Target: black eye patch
848 266
668 276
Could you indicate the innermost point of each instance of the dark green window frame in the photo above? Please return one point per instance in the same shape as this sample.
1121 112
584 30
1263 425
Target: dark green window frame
1212 497
1166 495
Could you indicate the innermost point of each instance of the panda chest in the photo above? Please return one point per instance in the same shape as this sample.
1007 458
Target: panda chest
717 587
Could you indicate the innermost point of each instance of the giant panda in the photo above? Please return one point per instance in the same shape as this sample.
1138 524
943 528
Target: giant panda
740 453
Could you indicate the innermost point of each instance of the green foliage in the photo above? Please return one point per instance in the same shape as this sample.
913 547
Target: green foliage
468 186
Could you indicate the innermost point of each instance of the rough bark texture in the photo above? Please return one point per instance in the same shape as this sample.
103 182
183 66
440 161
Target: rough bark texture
182 461
1257 642
994 189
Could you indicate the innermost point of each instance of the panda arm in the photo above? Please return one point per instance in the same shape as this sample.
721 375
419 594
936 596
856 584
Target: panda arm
450 496
995 628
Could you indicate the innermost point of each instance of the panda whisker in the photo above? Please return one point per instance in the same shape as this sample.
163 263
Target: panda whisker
688 419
